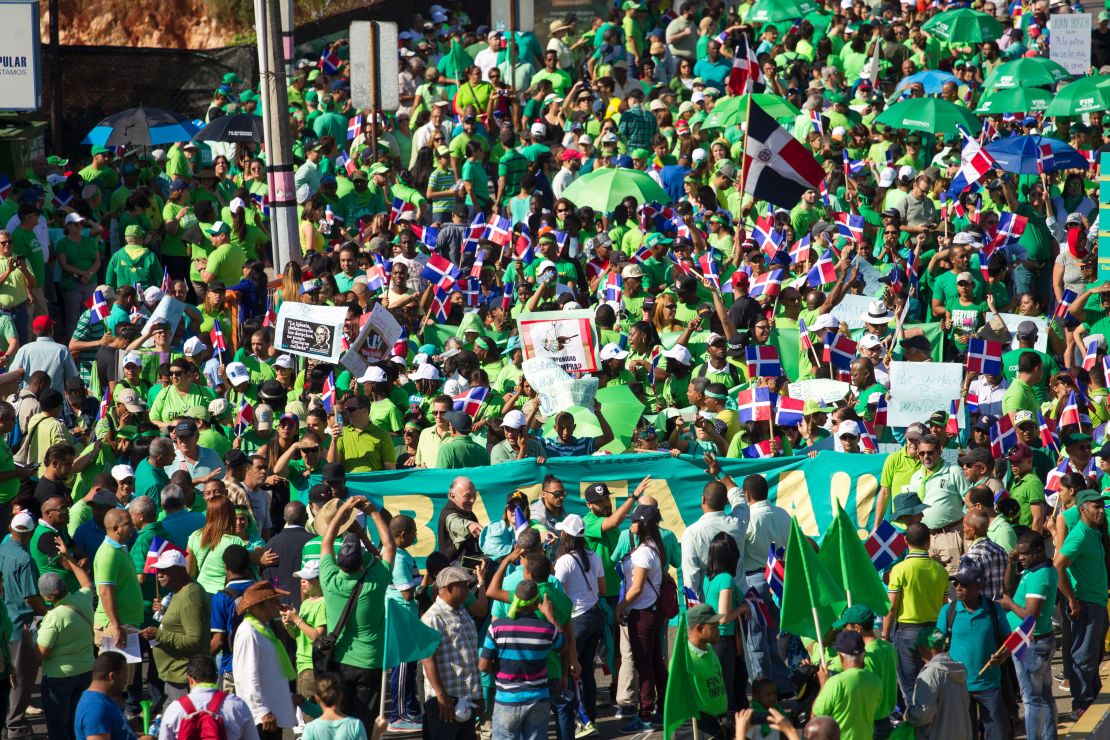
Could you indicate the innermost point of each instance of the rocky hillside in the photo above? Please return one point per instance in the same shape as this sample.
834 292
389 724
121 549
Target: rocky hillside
180 24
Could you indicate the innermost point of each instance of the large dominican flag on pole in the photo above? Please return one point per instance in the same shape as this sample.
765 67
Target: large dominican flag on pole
777 167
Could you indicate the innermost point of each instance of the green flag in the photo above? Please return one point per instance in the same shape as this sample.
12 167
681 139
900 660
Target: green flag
810 595
694 684
843 553
407 639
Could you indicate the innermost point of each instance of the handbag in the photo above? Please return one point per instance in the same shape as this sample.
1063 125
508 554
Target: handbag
324 646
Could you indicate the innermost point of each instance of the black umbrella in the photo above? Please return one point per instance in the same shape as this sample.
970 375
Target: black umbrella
237 127
141 127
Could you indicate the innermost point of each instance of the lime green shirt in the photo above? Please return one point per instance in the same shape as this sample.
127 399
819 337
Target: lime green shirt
112 566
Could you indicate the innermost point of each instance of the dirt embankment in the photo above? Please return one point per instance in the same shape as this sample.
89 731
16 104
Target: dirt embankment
180 24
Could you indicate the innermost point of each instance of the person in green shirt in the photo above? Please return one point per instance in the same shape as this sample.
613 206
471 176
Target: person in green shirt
1027 488
853 697
879 655
603 530
459 451
224 263
79 260
65 642
1020 396
133 263
475 181
117 583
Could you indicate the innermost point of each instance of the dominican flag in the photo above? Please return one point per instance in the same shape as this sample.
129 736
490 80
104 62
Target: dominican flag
1021 638
975 163
327 394
331 216
1010 228
426 235
438 268
640 255
400 208
1047 429
499 230
777 167
766 236
885 545
217 336
789 412
376 278
439 307
1052 480
804 340
867 438
679 265
984 357
1090 357
354 127
745 75
656 356
158 545
5 187
1046 160
754 404
471 401
401 346
776 571
823 271
757 608
270 318
759 450
62 200
99 308
105 404
1063 305
244 417
852 166
329 61
524 251
799 251
763 361
849 226
842 350
768 284
507 295
520 521
1070 414
708 268
818 124
614 288
167 282
881 410
479 261
1003 436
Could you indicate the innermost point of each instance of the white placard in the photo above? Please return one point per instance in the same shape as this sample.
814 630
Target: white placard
387 68
1071 41
20 75
851 309
311 331
567 337
819 390
375 341
555 388
919 389
131 650
500 14
170 310
1012 320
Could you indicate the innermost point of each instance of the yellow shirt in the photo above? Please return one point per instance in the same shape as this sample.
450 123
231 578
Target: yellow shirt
922 583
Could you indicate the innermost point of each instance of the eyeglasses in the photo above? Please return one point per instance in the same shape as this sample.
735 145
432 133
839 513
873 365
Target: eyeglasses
177 373
557 494
310 450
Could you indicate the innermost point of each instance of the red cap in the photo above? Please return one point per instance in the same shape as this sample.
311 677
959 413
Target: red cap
42 324
569 154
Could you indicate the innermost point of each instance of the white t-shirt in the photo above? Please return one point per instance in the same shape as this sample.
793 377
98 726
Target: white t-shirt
581 587
645 557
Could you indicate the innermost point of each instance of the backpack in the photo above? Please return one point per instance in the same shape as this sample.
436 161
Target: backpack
203 724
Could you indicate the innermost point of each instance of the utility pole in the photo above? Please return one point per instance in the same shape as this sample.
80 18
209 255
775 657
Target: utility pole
286 35
277 139
55 78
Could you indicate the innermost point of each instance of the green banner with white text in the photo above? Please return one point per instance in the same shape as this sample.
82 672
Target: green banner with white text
806 487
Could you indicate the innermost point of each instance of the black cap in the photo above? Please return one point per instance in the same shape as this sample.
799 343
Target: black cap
217 285
686 283
968 574
50 398
272 390
597 493
849 643
460 421
187 428
977 455
917 342
234 458
333 472
75 384
647 514
319 494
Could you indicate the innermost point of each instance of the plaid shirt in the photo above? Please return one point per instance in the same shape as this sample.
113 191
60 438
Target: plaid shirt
638 127
991 559
457 654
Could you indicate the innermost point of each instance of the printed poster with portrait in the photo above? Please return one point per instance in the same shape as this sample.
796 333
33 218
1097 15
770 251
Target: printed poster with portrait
310 331
375 341
568 338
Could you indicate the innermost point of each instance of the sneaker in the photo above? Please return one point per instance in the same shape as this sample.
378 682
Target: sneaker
33 711
624 712
585 730
657 722
634 726
404 725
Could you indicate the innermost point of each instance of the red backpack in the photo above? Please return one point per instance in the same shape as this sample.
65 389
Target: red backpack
204 724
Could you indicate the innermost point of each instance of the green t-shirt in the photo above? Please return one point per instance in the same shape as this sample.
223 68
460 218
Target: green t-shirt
1087 572
314 613
603 544
112 566
1040 582
1027 490
226 263
713 588
25 244
210 561
1010 363
1019 396
79 254
475 174
65 631
360 643
852 698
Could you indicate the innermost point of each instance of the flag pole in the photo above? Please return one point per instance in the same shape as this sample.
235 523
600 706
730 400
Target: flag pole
385 671
744 149
820 637
697 736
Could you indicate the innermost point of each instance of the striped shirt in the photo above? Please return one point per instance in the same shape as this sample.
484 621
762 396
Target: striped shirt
520 647
441 205
512 166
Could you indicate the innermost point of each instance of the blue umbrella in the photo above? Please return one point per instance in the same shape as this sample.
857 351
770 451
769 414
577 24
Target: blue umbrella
1020 154
931 79
141 127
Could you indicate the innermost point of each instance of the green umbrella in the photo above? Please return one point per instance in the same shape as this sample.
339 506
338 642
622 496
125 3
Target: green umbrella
773 11
964 26
930 115
1026 72
1087 95
603 189
733 110
585 423
1015 100
622 410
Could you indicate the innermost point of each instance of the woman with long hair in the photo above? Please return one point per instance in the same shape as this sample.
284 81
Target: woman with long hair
642 573
579 571
290 289
204 554
311 238
723 594
664 317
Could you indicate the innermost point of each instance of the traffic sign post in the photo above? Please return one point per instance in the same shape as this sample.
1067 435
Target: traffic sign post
375 71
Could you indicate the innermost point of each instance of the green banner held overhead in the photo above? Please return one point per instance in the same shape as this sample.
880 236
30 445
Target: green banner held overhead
808 488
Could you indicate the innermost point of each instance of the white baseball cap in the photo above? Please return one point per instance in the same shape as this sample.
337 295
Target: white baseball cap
238 373
310 570
869 341
572 525
373 374
23 522
193 346
886 177
170 559
679 353
514 419
905 172
236 205
613 351
152 295
132 358
425 371
285 361
538 130
122 472
847 427
699 155
74 218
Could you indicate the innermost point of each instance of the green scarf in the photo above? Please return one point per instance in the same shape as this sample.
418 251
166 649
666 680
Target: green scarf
279 646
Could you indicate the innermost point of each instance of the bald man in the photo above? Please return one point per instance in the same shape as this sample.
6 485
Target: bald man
120 611
988 555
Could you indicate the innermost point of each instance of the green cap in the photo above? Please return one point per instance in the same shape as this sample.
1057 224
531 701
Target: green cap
379 169
1087 496
700 614
1073 439
247 96
232 79
855 614
657 238
101 150
134 231
219 228
835 97
930 639
127 432
200 413
55 161
311 96
485 343
640 153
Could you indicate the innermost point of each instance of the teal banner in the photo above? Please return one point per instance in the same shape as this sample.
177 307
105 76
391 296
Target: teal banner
808 488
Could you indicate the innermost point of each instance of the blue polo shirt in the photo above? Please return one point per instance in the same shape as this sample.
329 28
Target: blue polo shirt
973 641
99 714
224 619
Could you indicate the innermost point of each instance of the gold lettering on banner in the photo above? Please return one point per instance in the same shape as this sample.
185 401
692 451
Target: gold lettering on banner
792 494
422 510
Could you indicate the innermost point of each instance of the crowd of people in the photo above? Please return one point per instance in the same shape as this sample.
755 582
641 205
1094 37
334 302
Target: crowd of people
191 541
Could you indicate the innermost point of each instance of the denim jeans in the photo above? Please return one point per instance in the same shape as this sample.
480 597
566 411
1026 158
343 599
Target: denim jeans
1087 634
909 660
1034 673
986 711
59 703
589 630
761 654
521 721
564 705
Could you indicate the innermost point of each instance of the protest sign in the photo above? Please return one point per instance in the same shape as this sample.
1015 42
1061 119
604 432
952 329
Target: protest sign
1012 320
807 488
567 337
1071 41
170 310
918 389
819 390
555 388
851 309
872 287
374 343
311 331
